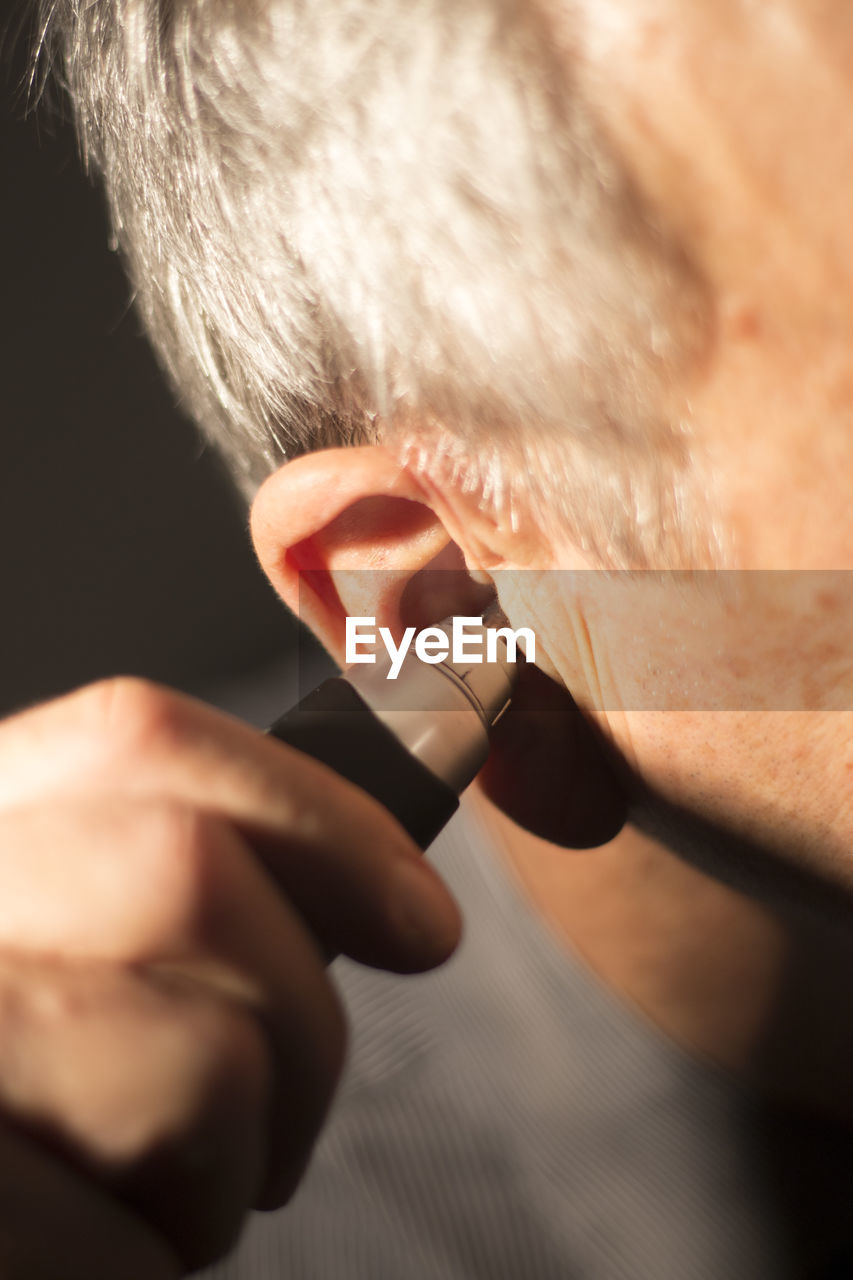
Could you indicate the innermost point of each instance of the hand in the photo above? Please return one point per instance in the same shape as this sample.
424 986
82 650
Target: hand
171 884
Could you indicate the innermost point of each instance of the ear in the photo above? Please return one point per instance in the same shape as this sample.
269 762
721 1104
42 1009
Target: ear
353 531
347 532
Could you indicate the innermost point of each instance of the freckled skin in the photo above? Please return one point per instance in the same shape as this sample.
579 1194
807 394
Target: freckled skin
749 175
736 123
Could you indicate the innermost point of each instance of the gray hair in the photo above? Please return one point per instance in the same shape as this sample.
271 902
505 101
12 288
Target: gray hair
356 219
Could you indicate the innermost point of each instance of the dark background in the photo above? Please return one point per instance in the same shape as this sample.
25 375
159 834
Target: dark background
123 547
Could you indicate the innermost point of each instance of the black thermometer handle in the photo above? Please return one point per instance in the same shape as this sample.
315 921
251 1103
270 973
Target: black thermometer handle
337 727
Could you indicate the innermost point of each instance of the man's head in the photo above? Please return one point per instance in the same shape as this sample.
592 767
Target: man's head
351 221
578 276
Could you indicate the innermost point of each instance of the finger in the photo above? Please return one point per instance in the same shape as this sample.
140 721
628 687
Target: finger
185 899
155 1088
139 881
351 871
57 1225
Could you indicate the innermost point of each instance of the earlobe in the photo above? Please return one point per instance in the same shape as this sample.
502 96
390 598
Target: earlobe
344 532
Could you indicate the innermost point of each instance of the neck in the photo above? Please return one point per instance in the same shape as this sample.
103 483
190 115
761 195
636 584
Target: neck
717 972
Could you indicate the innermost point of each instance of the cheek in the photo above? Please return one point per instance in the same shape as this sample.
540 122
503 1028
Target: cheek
733 641
732 700
767 796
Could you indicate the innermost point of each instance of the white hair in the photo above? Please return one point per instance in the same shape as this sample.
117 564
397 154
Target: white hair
353 219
